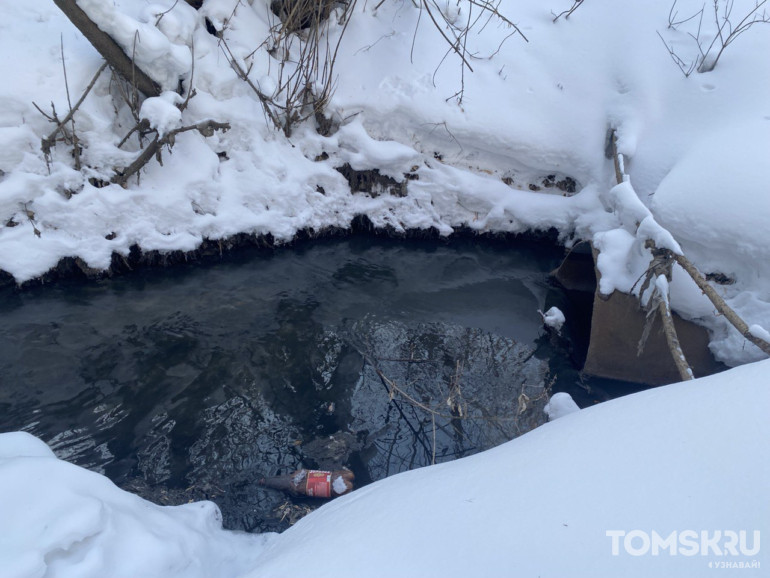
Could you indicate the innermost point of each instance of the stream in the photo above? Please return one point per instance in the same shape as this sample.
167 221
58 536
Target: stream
379 355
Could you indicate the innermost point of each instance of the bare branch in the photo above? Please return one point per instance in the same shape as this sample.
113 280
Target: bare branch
575 5
720 304
50 140
662 260
41 111
751 18
724 35
75 143
660 267
243 75
205 128
687 69
162 14
673 22
488 6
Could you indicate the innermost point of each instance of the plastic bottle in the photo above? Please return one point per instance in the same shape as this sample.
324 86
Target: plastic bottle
313 483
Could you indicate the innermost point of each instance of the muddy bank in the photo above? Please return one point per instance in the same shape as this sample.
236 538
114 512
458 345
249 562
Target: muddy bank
75 268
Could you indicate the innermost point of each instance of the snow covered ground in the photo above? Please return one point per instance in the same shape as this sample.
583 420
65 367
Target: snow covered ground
681 458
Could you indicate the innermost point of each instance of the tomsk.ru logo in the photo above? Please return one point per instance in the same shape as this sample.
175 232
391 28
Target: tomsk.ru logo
685 543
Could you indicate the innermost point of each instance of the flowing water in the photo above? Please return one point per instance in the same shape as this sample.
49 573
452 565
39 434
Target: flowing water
193 382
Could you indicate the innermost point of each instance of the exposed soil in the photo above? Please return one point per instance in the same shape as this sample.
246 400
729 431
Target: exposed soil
74 268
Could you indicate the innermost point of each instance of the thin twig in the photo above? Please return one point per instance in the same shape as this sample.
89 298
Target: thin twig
683 66
725 33
162 14
685 373
493 9
70 115
452 45
243 75
50 140
673 23
142 126
575 5
747 22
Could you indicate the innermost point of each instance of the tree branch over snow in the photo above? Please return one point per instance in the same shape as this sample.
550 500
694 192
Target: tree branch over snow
658 275
725 32
108 48
49 141
663 259
720 304
206 128
566 13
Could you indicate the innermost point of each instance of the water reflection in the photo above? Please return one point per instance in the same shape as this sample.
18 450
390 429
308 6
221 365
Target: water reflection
194 382
441 391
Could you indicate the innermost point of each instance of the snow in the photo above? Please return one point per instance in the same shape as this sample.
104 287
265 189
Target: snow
554 502
554 318
661 286
161 50
162 113
478 147
760 332
338 485
61 520
663 460
560 404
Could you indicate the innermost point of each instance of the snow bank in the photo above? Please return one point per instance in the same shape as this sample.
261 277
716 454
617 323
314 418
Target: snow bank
478 147
715 199
59 520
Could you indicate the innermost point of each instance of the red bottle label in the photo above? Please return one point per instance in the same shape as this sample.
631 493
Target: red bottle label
319 484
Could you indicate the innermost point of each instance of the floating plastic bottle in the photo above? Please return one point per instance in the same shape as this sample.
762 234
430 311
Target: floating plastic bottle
313 483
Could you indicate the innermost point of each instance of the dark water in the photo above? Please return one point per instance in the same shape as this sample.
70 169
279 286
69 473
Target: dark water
193 382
